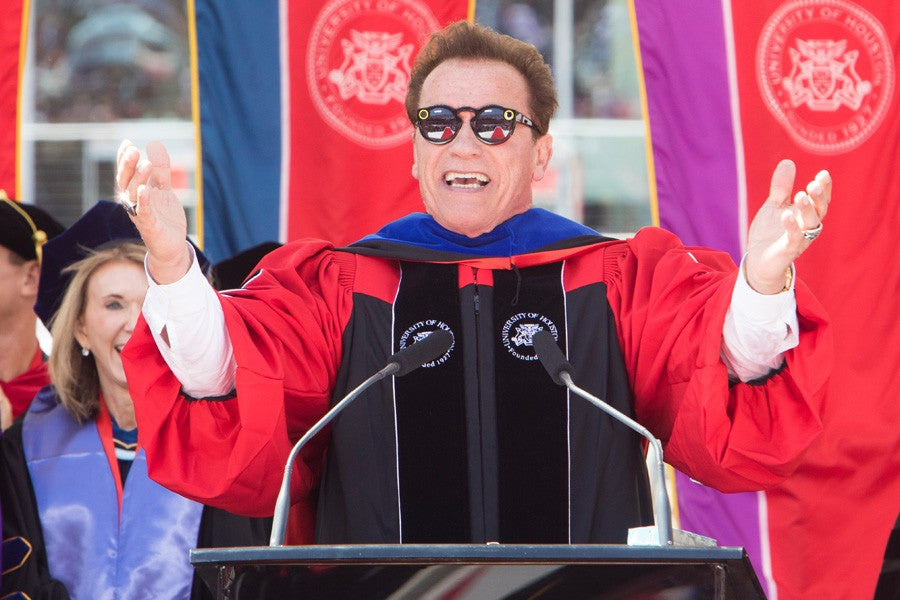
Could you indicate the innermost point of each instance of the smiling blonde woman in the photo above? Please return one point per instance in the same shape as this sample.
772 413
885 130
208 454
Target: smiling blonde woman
81 517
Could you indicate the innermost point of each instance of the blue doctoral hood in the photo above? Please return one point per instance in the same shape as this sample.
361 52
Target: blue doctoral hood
523 233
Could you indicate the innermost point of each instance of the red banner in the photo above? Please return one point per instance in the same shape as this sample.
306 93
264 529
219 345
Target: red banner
733 87
350 147
817 83
11 43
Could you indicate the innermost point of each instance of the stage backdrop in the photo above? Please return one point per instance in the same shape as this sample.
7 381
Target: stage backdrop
732 88
12 44
302 127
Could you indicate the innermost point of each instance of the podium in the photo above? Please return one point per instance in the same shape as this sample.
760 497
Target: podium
482 572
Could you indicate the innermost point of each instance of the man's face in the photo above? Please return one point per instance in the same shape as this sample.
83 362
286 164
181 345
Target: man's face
470 187
18 284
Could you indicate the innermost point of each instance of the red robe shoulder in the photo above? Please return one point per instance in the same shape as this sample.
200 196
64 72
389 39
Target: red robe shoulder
286 335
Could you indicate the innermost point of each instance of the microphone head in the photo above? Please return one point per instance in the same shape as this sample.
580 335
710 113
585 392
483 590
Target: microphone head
431 347
550 355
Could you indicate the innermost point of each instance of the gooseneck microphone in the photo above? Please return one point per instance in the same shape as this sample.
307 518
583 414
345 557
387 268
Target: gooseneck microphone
429 348
560 371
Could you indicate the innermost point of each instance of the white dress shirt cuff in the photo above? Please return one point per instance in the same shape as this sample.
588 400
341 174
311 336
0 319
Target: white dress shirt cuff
188 325
759 329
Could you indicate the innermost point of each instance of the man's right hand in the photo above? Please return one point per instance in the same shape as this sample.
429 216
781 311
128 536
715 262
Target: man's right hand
159 216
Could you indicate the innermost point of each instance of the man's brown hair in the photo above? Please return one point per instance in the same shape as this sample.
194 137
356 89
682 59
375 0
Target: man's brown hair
472 41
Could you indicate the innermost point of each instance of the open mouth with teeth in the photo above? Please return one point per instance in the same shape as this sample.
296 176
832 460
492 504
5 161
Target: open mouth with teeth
466 180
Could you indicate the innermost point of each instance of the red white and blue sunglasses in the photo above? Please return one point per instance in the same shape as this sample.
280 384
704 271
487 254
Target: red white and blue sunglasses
491 124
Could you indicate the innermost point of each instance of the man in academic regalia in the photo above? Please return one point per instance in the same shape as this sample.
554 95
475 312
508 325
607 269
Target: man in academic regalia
726 365
24 229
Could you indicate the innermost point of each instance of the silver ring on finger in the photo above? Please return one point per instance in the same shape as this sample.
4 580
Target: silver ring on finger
125 201
811 234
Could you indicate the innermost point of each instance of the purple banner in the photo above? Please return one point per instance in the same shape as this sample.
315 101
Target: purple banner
683 51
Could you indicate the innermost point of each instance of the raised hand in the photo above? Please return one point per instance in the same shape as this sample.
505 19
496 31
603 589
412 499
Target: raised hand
784 227
144 187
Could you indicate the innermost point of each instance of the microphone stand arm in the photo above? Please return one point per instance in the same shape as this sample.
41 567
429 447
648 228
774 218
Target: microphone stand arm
282 504
662 512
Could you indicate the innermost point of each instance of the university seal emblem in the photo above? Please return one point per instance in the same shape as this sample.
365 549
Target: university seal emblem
357 66
518 332
826 71
422 329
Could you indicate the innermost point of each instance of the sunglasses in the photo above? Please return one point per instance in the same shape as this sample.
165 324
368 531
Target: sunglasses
491 124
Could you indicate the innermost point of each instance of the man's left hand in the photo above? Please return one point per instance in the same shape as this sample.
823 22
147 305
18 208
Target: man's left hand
784 227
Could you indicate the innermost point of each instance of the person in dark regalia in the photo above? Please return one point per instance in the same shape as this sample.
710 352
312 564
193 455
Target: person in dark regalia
24 229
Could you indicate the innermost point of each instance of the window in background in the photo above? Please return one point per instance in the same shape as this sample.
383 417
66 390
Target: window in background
100 61
599 173
99 71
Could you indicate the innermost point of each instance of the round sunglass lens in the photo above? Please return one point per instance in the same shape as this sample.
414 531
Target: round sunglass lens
438 125
494 124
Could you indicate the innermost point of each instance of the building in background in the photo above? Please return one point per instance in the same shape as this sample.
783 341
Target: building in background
99 71
96 72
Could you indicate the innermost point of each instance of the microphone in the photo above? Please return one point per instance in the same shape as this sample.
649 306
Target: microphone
560 371
429 348
551 356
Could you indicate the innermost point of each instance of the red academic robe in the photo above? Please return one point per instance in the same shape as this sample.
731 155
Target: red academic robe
289 325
